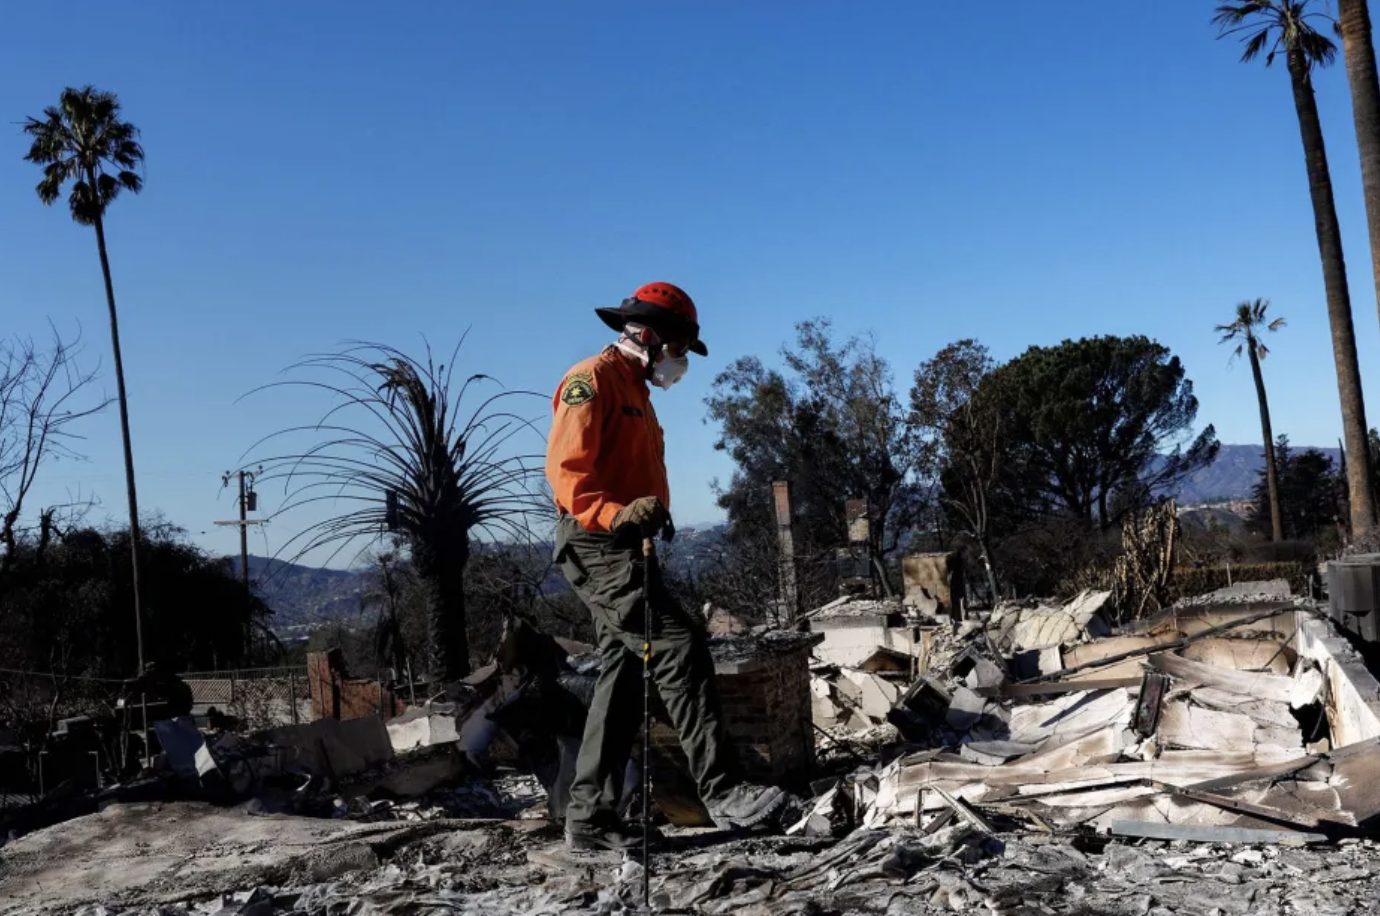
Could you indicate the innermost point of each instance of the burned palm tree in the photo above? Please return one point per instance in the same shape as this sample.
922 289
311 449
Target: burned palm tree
402 457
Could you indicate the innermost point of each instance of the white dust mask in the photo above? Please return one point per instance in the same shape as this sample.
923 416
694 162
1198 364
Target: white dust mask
669 370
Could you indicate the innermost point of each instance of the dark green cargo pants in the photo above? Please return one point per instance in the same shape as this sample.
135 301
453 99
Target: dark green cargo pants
607 573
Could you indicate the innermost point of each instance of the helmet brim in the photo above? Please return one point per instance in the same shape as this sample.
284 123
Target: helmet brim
617 319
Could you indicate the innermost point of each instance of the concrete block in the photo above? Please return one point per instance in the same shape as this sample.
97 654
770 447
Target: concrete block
985 674
965 709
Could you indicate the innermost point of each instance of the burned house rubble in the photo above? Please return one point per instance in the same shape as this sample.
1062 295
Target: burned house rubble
1219 757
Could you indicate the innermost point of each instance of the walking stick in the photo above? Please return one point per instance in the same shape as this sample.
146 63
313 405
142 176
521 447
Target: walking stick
648 559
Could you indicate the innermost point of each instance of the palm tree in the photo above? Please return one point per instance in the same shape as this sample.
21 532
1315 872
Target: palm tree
83 141
1353 23
1275 26
1246 333
398 449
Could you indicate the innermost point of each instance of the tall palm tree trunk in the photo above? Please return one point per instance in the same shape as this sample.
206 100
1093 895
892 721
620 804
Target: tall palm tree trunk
1338 298
134 537
1354 18
1271 469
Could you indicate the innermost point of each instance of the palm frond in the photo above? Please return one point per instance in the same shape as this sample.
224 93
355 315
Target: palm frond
401 437
83 142
1255 45
1271 26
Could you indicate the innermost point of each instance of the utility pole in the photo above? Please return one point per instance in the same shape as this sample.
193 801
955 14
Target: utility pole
249 501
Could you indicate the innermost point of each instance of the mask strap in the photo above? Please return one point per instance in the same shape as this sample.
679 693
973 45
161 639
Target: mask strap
649 351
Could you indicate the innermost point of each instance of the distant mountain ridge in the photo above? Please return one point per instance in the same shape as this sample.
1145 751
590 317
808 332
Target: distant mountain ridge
306 595
1233 474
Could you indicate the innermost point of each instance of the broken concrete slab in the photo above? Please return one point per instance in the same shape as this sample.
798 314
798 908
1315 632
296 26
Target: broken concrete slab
965 709
994 753
1086 653
848 641
1239 654
1308 689
424 726
984 675
180 848
876 695
1254 684
1352 690
1248 592
1034 663
1190 727
1264 712
1070 717
1052 627
888 660
1356 778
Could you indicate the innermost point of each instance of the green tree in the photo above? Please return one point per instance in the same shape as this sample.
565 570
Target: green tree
830 423
1246 332
1096 427
959 441
1308 485
83 142
67 607
400 449
1374 457
1272 27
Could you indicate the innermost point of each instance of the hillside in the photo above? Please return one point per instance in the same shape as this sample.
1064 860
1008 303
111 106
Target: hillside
1232 475
304 595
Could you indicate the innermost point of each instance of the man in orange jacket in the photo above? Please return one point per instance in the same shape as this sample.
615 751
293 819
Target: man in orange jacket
606 465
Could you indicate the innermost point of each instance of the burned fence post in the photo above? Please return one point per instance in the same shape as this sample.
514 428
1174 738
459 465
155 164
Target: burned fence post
789 596
292 693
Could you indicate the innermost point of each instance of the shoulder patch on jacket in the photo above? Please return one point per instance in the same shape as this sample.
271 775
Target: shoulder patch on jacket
578 389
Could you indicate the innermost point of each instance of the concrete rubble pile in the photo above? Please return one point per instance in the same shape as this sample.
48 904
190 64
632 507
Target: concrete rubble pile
1213 721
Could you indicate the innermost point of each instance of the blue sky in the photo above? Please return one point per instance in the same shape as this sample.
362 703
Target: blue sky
318 172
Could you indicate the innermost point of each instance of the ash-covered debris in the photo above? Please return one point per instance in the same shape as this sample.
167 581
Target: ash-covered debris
499 870
1218 758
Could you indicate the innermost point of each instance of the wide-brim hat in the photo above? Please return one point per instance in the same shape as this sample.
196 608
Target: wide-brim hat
664 308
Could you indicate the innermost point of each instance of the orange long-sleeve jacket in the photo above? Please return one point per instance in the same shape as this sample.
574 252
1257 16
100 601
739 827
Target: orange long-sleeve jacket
605 448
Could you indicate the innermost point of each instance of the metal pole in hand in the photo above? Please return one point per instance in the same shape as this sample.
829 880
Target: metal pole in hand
648 558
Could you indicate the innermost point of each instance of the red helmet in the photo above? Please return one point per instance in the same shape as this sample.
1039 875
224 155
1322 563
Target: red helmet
663 307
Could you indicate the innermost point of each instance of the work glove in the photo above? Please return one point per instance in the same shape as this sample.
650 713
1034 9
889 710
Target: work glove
647 514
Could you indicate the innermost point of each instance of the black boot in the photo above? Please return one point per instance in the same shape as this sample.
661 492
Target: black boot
745 806
618 836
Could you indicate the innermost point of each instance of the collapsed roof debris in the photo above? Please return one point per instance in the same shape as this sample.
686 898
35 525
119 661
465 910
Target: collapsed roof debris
1220 757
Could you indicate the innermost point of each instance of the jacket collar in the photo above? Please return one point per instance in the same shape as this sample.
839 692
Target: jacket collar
630 367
